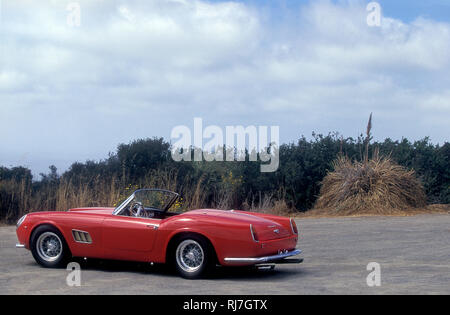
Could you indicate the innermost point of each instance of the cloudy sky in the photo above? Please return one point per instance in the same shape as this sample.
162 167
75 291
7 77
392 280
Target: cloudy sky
136 69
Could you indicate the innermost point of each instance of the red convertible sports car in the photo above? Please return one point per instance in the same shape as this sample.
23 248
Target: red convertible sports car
142 229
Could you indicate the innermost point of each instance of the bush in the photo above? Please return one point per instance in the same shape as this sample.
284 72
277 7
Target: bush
148 163
377 186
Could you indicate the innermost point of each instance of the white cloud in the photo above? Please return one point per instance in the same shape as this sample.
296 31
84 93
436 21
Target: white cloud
136 69
439 102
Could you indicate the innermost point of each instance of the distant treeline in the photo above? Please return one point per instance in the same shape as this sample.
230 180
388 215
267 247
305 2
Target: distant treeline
148 163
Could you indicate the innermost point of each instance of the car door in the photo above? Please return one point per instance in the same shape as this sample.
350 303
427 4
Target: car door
129 238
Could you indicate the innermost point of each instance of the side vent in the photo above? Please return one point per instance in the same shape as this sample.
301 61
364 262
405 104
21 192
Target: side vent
81 237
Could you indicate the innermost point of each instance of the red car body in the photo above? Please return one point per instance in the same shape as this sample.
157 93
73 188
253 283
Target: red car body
146 239
238 238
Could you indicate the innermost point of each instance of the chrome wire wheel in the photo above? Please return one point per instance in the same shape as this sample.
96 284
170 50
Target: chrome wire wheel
190 256
49 246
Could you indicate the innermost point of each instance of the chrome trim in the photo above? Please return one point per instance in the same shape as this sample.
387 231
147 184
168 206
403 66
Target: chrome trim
82 237
154 226
123 205
253 236
259 260
20 246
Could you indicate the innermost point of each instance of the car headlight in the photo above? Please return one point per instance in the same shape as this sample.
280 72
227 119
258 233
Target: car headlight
20 221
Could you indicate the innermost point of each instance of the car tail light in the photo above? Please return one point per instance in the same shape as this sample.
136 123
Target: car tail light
294 226
253 233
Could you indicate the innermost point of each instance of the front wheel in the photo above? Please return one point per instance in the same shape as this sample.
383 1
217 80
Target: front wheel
193 257
48 247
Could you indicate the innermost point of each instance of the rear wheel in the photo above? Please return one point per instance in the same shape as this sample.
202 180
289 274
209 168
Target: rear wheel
48 247
193 257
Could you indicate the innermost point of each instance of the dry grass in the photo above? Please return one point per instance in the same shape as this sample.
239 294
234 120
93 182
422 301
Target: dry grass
18 197
270 205
376 187
15 197
281 208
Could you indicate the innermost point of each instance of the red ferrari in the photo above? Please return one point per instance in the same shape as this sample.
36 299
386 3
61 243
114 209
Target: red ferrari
142 229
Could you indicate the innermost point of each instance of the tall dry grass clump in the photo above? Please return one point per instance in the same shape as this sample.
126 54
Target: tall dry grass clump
376 186
373 186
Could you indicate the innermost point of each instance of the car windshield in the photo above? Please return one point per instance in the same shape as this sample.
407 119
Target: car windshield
155 199
150 199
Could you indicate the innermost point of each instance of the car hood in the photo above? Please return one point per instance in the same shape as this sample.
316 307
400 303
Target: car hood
96 210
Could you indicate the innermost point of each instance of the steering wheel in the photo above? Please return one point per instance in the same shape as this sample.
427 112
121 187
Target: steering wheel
137 209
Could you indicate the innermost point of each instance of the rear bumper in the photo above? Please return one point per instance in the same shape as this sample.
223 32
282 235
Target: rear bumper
262 260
